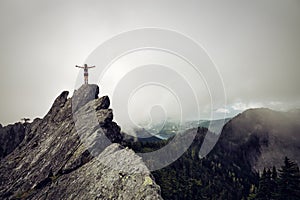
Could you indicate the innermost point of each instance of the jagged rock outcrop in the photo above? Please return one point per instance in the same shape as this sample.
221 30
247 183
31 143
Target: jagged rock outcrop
83 95
72 154
10 137
262 137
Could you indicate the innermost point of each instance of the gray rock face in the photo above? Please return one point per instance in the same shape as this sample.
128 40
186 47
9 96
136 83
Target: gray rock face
100 181
83 95
10 137
66 155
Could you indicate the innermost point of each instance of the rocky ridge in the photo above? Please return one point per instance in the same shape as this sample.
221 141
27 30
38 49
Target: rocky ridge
66 155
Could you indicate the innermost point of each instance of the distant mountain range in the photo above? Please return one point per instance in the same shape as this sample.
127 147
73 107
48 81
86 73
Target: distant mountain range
251 141
276 133
170 128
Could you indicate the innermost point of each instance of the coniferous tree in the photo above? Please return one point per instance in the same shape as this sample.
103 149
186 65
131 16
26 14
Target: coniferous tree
274 173
289 181
264 189
274 184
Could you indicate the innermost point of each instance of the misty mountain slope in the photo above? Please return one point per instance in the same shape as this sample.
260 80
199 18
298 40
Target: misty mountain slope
255 139
263 137
54 162
141 135
212 125
215 176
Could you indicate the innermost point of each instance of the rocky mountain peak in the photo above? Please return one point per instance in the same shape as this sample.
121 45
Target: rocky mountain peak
83 95
69 155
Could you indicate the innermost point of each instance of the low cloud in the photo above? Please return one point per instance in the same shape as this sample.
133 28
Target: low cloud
223 110
243 106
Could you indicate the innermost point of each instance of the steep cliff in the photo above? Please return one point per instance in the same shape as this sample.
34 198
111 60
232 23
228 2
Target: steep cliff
67 155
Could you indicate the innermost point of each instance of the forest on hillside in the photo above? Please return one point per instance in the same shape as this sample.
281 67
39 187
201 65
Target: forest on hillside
222 176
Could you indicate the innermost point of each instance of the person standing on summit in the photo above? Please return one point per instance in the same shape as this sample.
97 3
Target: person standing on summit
85 72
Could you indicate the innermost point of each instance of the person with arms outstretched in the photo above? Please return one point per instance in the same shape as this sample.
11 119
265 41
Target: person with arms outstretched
85 72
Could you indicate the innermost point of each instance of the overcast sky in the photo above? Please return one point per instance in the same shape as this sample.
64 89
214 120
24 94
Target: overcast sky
255 45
